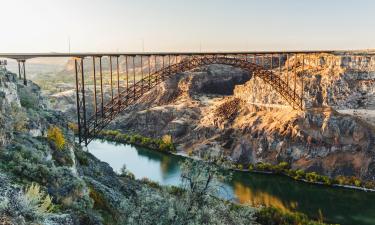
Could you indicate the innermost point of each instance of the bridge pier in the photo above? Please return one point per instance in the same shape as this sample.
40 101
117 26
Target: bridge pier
118 81
95 94
22 70
81 102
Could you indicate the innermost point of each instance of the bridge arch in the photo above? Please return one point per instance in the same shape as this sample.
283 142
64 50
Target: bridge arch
91 126
269 77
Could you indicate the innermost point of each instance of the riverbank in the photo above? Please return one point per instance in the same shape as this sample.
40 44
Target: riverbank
164 144
283 168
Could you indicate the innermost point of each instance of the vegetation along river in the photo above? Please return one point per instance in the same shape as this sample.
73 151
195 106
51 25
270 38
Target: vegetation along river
336 205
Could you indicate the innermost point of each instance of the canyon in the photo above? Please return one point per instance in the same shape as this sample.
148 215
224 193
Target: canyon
225 111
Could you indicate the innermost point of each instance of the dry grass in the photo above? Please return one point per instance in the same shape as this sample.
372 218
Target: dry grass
38 199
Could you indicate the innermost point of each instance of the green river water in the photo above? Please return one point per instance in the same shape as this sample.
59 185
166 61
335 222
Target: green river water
337 205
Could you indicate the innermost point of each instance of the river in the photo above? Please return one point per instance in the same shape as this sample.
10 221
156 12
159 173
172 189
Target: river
336 205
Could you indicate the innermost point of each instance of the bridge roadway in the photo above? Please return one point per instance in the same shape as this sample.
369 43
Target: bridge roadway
25 56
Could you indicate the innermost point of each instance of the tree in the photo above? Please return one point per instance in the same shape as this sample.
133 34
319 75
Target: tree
201 180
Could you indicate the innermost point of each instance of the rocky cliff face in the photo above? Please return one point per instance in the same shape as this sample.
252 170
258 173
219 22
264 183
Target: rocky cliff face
74 179
337 81
254 125
16 101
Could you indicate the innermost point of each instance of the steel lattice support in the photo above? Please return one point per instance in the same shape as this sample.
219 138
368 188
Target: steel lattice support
81 103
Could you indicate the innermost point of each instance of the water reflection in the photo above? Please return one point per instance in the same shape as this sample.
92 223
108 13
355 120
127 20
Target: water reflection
168 165
246 195
336 205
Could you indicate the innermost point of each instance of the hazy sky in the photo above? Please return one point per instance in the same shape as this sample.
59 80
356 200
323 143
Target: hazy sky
185 25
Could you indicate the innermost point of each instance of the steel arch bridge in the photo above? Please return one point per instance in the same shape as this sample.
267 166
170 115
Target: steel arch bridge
273 67
106 112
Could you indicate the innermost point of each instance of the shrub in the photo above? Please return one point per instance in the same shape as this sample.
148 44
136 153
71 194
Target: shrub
175 190
135 139
19 118
251 167
312 177
151 183
274 216
291 173
281 167
37 199
81 158
341 180
166 143
28 99
167 139
146 141
126 173
263 166
357 183
299 174
55 135
326 180
73 127
369 184
99 201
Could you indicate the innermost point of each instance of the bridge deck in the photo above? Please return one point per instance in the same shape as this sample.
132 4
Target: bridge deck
24 56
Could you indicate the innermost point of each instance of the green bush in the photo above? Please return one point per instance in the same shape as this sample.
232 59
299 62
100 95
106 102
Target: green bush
369 184
340 180
326 180
299 174
28 99
19 118
151 183
175 190
263 166
81 158
163 144
281 167
312 177
274 216
291 173
146 141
